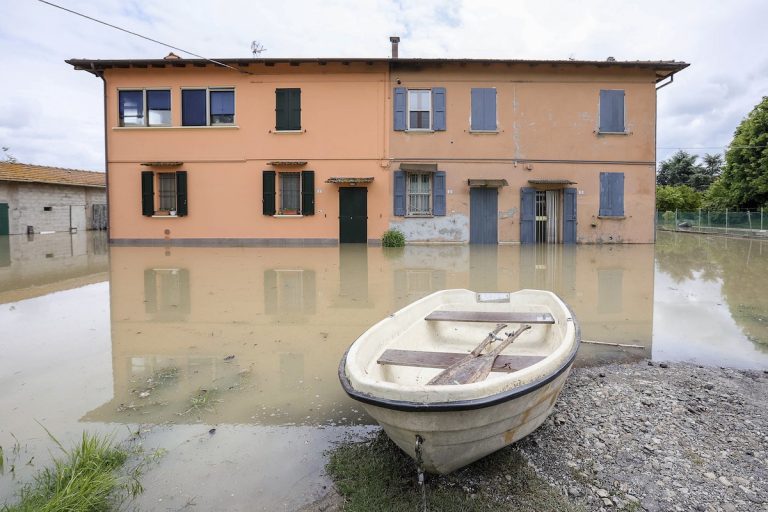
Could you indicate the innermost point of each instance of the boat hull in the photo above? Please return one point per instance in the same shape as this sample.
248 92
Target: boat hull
453 439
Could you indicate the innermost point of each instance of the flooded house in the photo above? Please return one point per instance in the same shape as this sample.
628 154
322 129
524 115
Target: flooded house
312 151
39 199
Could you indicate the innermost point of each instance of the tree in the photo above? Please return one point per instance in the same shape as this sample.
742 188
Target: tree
679 197
678 169
745 176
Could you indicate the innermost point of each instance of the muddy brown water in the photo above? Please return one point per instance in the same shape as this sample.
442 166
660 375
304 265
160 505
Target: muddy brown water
172 342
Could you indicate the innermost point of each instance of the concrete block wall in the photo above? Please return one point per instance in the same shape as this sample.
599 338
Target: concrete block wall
68 206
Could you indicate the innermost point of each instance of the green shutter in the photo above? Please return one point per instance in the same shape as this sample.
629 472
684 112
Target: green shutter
281 109
294 112
268 191
147 193
181 193
307 192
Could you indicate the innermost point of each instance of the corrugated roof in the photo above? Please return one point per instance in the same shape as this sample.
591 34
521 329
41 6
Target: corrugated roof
53 175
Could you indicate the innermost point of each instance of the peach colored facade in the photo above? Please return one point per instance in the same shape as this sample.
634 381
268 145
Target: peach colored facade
547 137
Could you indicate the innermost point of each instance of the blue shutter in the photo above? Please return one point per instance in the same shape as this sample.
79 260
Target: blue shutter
483 109
193 107
569 217
399 193
438 108
527 215
611 194
159 100
477 121
222 103
399 102
612 111
438 193
489 116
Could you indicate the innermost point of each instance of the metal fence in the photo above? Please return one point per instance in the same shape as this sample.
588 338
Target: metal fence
731 222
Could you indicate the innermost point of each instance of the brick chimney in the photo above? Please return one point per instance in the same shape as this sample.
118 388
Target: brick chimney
394 40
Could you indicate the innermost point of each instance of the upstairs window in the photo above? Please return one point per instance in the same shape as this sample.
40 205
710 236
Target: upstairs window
287 109
612 111
145 107
483 110
419 109
208 107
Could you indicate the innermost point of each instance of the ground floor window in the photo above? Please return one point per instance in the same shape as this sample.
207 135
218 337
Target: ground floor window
290 192
167 191
419 191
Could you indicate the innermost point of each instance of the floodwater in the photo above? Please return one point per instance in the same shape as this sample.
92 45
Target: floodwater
172 342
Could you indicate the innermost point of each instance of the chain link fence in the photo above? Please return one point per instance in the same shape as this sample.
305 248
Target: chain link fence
731 222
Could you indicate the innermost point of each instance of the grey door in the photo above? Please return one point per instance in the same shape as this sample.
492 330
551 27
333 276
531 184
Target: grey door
483 215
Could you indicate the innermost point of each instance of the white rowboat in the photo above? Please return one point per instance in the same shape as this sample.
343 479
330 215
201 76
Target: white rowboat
389 367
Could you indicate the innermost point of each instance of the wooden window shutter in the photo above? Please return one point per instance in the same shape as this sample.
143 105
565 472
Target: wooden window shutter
268 190
147 193
611 194
399 101
438 193
294 109
612 111
438 108
399 194
569 216
307 192
527 215
483 109
282 118
181 193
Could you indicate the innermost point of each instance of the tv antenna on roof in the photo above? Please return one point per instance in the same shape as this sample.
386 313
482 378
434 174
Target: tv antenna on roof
257 48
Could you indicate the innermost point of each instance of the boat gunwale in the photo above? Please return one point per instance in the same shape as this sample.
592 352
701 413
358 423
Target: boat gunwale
462 405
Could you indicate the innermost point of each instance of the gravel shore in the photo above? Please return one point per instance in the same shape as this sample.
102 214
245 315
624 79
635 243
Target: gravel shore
658 437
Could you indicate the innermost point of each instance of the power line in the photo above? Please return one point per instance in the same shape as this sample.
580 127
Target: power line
144 37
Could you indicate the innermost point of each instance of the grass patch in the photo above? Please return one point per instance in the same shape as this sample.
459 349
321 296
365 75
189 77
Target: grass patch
85 479
374 475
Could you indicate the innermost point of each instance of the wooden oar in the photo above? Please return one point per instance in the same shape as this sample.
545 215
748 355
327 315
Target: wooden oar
447 374
475 368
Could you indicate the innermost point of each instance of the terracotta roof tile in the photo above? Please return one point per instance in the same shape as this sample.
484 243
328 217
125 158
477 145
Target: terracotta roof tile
54 175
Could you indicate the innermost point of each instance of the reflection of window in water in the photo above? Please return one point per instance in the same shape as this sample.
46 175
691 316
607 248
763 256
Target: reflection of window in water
289 291
166 291
610 284
291 371
412 284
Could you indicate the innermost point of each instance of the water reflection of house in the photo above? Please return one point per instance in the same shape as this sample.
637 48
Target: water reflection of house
263 330
321 151
35 265
37 198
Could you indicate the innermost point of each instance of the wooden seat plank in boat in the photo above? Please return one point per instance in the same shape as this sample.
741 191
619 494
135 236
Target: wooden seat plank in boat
491 316
426 359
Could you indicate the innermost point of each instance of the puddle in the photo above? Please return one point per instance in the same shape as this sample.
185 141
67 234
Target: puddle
176 341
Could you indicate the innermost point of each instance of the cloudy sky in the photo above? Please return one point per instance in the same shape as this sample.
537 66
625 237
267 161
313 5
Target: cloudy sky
52 115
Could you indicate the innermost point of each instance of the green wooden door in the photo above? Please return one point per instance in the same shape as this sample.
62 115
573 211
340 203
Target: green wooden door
4 219
353 215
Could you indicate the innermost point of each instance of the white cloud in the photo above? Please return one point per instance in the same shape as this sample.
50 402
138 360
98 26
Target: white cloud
51 114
